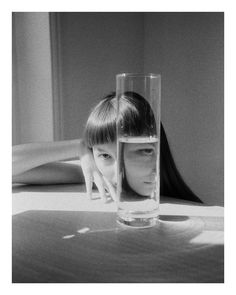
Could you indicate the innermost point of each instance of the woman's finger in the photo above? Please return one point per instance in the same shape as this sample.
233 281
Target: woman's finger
111 189
100 185
89 184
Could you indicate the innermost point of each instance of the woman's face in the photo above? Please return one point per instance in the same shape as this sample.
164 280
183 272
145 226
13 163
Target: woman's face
139 162
140 166
106 161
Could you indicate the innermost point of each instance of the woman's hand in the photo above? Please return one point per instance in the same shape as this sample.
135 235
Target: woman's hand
92 174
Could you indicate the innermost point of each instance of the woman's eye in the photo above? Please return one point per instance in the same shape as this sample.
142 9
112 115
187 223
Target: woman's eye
105 156
147 152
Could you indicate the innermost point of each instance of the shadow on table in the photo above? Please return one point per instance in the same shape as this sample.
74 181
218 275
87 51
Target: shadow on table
61 246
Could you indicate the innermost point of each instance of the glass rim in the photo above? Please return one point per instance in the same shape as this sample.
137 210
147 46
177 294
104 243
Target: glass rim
144 75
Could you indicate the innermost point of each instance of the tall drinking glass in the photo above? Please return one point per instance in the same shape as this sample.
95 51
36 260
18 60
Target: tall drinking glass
138 148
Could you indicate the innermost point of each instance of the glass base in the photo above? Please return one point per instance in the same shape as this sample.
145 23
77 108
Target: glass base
138 223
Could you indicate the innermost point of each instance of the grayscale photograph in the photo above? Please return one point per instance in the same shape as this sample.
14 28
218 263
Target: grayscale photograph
117 147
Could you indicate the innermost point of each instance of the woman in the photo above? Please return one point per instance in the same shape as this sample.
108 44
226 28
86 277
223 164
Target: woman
38 163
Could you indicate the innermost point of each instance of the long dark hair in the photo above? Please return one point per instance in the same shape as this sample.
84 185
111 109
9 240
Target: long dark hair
101 129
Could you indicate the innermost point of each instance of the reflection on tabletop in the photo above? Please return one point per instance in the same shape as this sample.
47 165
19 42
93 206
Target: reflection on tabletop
61 236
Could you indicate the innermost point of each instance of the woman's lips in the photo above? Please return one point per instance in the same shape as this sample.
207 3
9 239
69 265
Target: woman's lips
149 182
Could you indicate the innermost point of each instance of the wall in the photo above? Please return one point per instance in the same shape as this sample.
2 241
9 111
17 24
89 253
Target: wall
94 48
188 50
32 87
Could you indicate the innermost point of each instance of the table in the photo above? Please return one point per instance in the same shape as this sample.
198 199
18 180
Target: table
59 236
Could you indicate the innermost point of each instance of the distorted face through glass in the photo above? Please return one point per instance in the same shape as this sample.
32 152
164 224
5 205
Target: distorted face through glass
138 164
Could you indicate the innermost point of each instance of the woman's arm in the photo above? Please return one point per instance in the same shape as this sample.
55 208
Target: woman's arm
37 163
52 173
28 156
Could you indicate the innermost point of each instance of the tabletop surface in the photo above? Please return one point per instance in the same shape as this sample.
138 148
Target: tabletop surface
60 236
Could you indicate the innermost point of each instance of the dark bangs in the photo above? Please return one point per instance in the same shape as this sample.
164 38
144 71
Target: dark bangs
136 118
101 124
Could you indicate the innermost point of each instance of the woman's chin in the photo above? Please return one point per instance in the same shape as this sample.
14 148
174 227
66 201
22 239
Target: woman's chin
146 190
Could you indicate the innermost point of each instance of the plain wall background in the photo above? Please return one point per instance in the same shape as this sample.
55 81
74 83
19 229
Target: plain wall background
94 48
32 106
187 49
